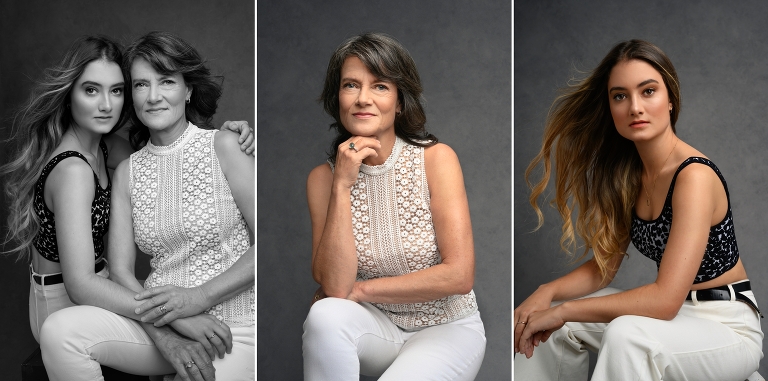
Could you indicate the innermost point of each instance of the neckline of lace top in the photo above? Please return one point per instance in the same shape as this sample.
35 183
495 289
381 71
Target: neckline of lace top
177 144
374 170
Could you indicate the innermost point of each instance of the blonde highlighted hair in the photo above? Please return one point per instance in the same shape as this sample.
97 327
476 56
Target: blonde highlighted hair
597 171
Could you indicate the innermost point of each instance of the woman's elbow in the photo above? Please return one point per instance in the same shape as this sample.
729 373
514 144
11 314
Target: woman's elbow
464 284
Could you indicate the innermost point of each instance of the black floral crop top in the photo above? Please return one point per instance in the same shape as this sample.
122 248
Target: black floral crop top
45 240
722 253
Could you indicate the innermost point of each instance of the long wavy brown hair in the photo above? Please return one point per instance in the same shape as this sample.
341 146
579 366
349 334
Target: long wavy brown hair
597 171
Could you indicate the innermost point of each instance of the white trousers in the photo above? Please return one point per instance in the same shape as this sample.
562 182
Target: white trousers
343 339
76 340
45 300
707 340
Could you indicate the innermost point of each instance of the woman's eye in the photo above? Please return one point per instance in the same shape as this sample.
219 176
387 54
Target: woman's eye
619 97
167 82
381 87
649 91
348 85
139 85
90 90
117 91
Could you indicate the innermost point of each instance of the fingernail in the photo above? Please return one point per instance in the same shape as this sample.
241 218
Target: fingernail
137 311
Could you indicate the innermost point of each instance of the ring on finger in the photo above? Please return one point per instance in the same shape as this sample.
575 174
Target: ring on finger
162 309
522 322
189 364
352 146
212 336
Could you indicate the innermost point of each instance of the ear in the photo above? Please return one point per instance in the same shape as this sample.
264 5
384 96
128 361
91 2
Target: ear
399 108
189 94
670 106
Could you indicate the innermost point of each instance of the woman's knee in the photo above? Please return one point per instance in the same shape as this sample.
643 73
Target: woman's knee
328 315
623 330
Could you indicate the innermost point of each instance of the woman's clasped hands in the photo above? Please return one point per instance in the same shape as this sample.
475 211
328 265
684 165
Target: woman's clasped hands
535 320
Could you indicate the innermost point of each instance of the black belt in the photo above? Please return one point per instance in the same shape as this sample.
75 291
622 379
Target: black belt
723 293
50 280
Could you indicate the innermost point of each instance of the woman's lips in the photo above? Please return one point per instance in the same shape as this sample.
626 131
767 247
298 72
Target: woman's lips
639 123
363 115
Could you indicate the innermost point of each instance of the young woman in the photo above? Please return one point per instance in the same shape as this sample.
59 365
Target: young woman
391 233
621 165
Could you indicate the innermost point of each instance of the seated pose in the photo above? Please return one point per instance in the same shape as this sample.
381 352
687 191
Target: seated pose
186 199
58 182
391 234
620 163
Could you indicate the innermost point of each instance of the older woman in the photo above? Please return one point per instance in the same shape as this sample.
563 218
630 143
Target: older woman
391 233
187 200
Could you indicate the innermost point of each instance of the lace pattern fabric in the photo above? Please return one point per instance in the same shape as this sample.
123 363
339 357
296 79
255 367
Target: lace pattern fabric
394 234
185 217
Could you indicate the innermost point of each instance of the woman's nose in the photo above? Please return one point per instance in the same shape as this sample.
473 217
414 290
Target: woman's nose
105 105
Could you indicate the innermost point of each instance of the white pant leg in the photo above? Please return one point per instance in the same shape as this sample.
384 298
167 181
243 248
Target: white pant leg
77 340
343 339
715 340
452 351
45 300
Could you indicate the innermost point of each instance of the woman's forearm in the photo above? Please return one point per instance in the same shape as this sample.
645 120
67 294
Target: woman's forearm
425 285
582 281
649 300
236 279
334 264
97 291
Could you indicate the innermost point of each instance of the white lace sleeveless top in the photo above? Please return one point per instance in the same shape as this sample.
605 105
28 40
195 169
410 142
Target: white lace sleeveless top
185 217
394 235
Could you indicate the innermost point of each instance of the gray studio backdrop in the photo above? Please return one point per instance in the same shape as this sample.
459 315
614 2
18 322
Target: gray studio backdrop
35 34
462 50
719 50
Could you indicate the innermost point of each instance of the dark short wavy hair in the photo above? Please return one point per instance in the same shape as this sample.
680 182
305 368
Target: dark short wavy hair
169 54
388 60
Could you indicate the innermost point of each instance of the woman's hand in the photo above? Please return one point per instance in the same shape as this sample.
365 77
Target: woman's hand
319 295
246 140
179 302
348 159
540 300
180 352
538 328
207 330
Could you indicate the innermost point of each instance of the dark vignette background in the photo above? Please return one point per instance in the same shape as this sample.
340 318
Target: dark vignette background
462 50
35 34
719 51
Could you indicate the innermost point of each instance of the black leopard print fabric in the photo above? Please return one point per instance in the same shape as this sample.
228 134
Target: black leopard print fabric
45 241
722 253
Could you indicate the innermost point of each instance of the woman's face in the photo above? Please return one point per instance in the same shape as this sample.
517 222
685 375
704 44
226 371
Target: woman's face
96 99
639 100
367 105
158 99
